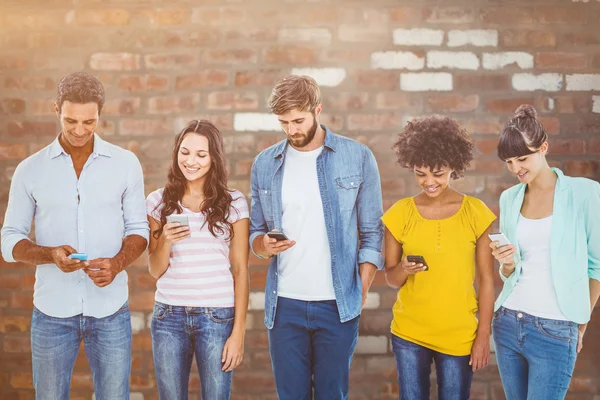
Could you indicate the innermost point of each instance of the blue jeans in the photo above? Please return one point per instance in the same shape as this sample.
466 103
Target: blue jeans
55 344
180 332
536 356
454 374
311 350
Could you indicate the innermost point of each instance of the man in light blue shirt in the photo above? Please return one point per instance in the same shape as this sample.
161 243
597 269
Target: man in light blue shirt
85 196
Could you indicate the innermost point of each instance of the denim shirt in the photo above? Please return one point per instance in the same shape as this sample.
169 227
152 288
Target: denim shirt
352 204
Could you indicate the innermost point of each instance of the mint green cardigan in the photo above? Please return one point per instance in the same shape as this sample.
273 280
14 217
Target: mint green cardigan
575 242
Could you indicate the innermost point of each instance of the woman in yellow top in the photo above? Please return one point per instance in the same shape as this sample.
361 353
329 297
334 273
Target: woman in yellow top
435 311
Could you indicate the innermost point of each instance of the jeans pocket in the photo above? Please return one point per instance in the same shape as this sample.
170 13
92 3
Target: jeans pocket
562 332
221 314
159 312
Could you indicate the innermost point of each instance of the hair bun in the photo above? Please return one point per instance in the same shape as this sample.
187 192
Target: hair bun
525 110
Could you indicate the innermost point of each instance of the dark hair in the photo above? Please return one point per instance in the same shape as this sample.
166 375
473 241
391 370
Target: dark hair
523 134
432 142
80 88
217 197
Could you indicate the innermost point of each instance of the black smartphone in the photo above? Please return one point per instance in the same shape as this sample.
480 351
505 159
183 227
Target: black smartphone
418 260
279 236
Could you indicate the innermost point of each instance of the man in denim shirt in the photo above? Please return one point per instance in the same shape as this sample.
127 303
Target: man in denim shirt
85 195
323 192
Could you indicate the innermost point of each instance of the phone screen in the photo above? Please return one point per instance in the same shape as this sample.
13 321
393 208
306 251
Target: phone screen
279 236
182 219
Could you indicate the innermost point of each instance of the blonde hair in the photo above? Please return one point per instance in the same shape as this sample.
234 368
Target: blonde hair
295 92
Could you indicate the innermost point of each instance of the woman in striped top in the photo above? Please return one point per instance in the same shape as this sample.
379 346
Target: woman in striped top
202 268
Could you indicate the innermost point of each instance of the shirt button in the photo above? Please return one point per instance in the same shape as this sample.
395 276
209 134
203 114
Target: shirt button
519 315
274 291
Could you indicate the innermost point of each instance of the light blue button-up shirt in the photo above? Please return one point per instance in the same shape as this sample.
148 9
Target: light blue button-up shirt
92 214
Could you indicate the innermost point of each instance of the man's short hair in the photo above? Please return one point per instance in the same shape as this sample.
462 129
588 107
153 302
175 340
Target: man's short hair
81 88
295 92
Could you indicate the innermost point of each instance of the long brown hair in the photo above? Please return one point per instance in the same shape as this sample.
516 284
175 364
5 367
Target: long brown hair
217 197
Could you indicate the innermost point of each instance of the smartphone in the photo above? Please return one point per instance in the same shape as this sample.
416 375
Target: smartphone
279 236
79 256
181 218
500 238
418 260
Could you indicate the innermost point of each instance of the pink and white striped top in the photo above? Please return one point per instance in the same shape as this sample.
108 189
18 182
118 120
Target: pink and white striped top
198 274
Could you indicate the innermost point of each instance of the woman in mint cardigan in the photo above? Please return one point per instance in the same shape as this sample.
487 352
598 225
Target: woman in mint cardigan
551 269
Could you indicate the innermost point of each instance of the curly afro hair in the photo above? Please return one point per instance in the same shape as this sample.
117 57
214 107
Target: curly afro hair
432 142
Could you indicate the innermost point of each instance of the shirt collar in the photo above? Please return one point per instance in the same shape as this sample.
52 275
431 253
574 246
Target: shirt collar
330 143
101 148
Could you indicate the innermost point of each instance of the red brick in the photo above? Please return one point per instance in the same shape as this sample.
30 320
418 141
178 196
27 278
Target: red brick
587 169
14 323
527 38
292 55
142 381
21 299
506 105
173 104
560 60
373 122
142 281
481 83
37 83
241 56
355 55
483 125
42 107
210 77
249 35
580 38
261 77
596 61
232 100
487 147
593 146
404 14
376 323
192 38
564 104
170 61
21 380
31 18
10 281
12 106
453 103
258 278
345 101
102 17
121 107
384 80
13 151
358 33
507 15
115 61
141 341
168 16
8 62
256 381
566 147
219 16
449 15
141 300
143 83
568 14
17 343
398 101
552 125
366 16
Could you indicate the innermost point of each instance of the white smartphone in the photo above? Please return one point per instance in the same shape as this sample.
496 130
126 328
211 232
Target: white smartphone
500 238
181 218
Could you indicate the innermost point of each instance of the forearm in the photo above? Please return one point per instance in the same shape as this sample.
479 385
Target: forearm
395 276
594 292
486 306
133 246
259 248
241 282
158 261
28 252
367 273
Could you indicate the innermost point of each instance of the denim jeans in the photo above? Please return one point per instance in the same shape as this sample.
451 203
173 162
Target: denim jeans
536 356
55 344
454 374
180 332
311 350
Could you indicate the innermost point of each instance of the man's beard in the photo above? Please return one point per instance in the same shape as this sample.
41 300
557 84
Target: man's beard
310 135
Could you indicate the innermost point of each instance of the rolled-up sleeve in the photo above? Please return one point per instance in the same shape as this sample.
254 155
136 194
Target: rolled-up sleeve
258 224
592 229
19 213
134 202
370 211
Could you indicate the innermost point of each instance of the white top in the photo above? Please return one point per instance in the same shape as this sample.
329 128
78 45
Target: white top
534 292
305 269
199 272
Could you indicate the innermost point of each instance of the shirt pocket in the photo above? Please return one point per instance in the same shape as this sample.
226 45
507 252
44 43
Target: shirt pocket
266 203
347 191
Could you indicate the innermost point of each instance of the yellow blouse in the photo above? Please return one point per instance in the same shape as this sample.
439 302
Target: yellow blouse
437 308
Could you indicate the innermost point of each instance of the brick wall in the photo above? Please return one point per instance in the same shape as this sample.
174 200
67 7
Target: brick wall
379 63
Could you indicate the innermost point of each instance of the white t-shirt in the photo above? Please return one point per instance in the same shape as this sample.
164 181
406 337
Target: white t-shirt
534 292
305 269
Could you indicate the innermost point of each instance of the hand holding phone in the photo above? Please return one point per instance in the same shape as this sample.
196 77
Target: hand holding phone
275 242
79 256
172 234
413 264
500 238
181 218
502 249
